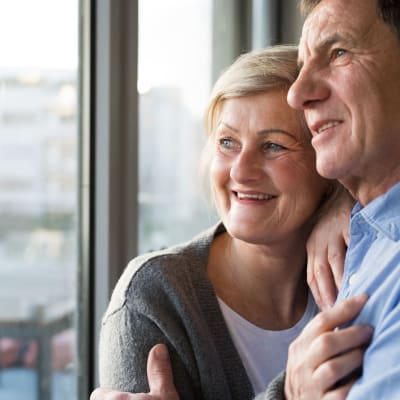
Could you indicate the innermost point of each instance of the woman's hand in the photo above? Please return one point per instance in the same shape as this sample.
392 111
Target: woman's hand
159 375
322 355
326 249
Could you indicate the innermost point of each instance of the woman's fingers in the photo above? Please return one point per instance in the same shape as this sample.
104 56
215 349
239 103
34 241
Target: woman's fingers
326 249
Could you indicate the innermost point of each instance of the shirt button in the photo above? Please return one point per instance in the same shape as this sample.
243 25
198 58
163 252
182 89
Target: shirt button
352 279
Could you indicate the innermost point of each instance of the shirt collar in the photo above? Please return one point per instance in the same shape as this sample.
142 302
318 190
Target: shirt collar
383 213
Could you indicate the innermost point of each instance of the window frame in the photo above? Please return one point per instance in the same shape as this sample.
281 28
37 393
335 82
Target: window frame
109 138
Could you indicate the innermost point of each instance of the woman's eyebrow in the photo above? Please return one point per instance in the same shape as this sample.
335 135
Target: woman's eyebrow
226 126
274 130
259 133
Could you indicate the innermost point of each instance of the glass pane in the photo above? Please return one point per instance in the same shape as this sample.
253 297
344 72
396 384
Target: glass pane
38 198
174 83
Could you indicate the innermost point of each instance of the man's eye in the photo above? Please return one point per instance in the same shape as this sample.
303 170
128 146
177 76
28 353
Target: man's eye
339 53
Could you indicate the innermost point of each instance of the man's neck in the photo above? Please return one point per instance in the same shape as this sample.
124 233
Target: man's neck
365 191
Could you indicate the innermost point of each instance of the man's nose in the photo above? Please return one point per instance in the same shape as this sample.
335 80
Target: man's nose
308 89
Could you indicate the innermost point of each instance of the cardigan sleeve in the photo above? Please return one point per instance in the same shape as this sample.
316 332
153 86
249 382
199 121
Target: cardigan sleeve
145 315
275 390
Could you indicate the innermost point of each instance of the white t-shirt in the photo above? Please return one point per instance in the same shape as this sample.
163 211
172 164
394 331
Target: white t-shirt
263 352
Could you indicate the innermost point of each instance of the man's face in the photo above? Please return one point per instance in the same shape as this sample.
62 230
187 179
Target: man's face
349 89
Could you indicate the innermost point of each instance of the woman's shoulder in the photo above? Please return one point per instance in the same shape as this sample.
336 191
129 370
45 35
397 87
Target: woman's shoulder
175 259
165 269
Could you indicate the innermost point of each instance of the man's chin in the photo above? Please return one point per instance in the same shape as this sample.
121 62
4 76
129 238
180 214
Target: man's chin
328 169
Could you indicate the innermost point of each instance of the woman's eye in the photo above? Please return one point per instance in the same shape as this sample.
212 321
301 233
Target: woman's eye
227 144
274 147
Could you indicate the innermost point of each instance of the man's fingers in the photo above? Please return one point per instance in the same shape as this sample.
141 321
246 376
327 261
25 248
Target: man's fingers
159 373
339 393
339 314
110 394
337 368
338 342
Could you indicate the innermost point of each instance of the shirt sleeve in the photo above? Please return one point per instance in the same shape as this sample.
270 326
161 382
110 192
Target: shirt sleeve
381 367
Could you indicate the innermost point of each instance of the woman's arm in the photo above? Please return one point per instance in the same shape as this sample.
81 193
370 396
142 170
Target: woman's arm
326 249
147 307
319 358
159 373
126 338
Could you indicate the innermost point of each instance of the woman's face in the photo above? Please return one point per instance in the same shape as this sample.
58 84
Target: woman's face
262 169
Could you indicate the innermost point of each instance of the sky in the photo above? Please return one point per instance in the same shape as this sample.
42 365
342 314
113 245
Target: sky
39 34
174 41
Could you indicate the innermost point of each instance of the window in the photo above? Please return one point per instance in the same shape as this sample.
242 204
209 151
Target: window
174 81
38 199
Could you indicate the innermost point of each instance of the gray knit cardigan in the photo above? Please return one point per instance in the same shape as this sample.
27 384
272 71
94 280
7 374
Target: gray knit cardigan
167 297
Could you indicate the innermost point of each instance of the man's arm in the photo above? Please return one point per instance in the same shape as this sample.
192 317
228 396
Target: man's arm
322 356
159 373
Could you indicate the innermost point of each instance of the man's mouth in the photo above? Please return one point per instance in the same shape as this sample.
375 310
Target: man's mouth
327 125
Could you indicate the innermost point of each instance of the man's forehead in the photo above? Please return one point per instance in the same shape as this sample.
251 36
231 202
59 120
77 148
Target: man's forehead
323 20
333 21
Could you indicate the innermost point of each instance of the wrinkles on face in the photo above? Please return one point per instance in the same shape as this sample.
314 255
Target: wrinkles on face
350 82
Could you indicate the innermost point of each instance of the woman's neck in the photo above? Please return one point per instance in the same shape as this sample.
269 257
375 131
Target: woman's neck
266 285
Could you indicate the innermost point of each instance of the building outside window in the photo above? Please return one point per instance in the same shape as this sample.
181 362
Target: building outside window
174 81
38 199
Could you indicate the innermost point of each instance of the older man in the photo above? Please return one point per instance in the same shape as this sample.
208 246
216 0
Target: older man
349 89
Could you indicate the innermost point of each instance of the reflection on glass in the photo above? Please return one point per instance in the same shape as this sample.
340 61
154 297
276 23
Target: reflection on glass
38 199
174 83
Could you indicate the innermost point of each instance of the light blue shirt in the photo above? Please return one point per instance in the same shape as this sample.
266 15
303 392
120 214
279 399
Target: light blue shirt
372 266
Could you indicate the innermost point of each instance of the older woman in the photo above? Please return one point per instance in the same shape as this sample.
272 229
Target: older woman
228 303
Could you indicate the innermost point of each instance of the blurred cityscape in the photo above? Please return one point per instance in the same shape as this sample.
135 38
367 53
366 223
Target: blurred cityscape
38 184
38 211
39 154
39 150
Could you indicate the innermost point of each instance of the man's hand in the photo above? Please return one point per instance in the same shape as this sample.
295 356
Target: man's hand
321 356
326 249
159 375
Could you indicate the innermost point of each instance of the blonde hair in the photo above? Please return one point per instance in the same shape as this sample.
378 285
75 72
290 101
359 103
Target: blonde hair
254 72
258 71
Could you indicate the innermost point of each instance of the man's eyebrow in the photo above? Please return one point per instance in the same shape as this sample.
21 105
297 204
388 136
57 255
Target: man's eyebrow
324 44
328 41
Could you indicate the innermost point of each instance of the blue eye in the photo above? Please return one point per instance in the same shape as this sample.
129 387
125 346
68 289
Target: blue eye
274 147
339 53
228 144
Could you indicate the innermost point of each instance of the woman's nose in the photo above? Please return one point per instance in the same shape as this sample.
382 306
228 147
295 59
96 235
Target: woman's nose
246 167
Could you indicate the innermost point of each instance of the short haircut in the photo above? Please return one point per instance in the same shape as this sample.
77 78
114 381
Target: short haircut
388 10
